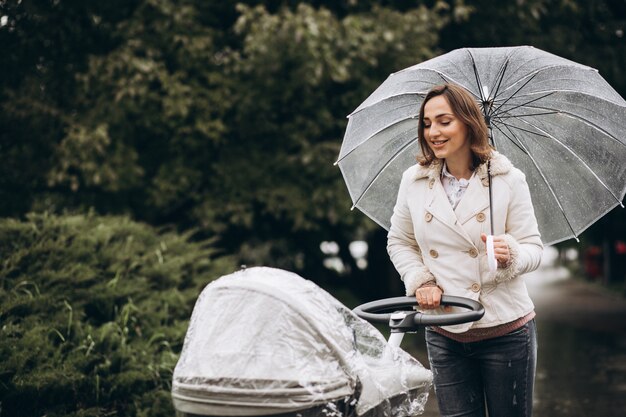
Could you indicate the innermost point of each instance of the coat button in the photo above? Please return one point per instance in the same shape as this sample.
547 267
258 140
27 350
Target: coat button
428 217
475 287
473 252
480 217
433 253
431 184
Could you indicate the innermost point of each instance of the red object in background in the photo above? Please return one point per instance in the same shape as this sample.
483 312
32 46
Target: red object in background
594 251
620 247
592 259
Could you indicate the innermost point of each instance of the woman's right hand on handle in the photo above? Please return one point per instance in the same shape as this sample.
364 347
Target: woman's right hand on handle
428 297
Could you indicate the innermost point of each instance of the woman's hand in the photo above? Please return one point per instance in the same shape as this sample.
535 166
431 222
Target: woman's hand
500 248
428 297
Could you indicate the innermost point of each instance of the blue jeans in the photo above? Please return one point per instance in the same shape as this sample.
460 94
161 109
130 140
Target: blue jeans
498 373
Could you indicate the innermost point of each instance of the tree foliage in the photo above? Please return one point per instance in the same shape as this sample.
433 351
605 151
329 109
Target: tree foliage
175 117
299 73
227 116
93 313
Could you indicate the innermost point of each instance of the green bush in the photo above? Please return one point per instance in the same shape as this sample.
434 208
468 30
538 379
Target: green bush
93 313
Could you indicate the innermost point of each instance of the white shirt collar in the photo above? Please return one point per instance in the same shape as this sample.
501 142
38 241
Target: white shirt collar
453 187
446 174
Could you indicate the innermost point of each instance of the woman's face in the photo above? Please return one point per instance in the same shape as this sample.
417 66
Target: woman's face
445 133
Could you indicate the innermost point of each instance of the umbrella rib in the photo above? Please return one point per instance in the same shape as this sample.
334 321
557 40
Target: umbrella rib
501 73
509 126
575 155
513 141
511 116
516 91
551 67
447 79
558 202
395 122
450 80
570 90
443 77
380 172
436 71
587 122
525 104
479 84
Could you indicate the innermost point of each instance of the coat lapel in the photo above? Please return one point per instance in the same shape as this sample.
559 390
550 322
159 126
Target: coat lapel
475 200
438 205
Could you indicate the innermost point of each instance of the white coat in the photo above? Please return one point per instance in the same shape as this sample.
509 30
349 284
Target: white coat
429 240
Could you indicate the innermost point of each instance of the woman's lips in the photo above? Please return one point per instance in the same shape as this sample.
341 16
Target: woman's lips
438 143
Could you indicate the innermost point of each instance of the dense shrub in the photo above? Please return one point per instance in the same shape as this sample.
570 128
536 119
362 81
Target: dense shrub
93 312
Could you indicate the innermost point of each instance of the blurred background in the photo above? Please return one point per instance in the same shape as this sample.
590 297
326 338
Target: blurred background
149 146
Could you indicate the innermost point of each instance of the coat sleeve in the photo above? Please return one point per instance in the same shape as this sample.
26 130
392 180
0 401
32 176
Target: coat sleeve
522 233
402 247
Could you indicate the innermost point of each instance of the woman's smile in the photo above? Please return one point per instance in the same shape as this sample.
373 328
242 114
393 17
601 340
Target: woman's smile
438 143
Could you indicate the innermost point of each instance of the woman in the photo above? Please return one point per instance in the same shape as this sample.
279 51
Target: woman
437 243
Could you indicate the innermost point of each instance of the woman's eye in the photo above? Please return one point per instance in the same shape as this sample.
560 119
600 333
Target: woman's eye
445 123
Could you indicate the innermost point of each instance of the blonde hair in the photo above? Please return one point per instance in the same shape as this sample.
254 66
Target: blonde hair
466 109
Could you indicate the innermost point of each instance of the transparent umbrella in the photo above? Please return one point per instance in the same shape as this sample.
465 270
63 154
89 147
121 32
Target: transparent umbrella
558 121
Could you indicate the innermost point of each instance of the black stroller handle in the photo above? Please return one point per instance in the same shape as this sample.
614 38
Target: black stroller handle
414 319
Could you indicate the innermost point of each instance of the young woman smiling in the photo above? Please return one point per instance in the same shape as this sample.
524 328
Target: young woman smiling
437 244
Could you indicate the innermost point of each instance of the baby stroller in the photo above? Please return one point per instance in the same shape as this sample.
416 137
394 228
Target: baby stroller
265 342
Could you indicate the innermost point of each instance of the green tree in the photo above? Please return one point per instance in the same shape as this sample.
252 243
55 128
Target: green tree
232 126
150 117
299 72
46 44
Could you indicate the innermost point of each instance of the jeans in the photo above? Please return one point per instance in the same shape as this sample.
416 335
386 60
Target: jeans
498 373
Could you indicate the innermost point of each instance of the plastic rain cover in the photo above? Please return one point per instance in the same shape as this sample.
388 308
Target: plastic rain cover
265 341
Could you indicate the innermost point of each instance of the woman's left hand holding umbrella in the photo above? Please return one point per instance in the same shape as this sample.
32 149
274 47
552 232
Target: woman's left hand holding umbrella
501 250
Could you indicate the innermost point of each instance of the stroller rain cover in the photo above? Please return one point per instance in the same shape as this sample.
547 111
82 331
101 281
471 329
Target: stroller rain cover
265 341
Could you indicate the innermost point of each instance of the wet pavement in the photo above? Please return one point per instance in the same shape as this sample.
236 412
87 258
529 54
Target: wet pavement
581 369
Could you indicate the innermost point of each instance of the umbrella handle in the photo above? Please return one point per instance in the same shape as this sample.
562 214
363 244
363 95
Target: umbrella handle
490 196
412 320
491 255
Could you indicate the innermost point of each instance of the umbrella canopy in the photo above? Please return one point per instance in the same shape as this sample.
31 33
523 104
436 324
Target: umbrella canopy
558 121
265 341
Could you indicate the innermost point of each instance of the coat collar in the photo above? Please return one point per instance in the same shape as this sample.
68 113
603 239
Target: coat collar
500 165
475 200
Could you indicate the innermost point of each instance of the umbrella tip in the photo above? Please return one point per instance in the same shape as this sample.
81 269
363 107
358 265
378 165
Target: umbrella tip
335 163
352 208
621 204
